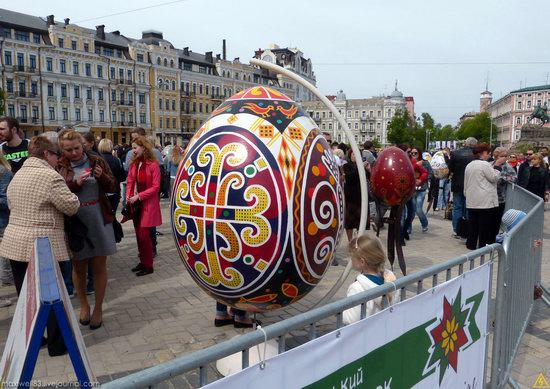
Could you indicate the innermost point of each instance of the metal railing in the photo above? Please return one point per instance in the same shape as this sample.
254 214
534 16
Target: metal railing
518 273
407 286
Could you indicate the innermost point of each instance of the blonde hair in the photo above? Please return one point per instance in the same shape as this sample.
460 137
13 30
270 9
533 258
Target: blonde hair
176 155
71 135
105 146
4 162
369 250
538 156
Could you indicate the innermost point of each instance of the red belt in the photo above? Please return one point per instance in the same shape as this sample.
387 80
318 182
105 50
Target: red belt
88 203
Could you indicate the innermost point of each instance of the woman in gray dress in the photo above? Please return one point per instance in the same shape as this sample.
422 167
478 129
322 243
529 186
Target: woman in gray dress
89 177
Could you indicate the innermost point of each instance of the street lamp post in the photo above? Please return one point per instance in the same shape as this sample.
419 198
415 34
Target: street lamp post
427 145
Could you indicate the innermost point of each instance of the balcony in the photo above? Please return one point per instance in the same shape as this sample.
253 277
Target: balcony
22 93
185 93
24 69
217 97
23 120
131 124
129 82
34 120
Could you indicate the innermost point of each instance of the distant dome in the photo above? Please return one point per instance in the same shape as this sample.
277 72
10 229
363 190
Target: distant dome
396 93
340 96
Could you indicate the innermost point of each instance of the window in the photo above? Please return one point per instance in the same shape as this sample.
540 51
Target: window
100 94
22 88
330 126
519 104
200 107
7 58
518 120
140 57
62 66
36 38
108 52
173 105
173 85
101 115
32 61
75 67
113 116
165 62
89 93
65 113
51 111
200 89
121 74
187 66
379 113
363 126
86 47
171 63
130 98
113 95
88 69
77 114
11 110
35 112
77 92
34 88
20 61
63 90
23 111
90 115
168 123
22 36
49 64
122 117
356 126
50 89
73 45
142 118
122 97
129 73
99 71
378 126
371 114
174 123
528 104
60 42
113 73
6 33
97 50
160 122
160 103
142 98
356 114
167 104
131 118
158 60
202 69
9 85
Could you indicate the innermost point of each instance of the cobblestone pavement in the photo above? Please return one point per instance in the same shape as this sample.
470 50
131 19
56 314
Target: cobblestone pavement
153 319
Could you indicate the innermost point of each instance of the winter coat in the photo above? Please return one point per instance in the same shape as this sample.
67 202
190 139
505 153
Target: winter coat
363 284
150 215
38 199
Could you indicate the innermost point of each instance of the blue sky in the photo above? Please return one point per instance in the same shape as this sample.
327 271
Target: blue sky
440 51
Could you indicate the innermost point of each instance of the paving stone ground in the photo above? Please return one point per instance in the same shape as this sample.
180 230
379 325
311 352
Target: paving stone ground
153 319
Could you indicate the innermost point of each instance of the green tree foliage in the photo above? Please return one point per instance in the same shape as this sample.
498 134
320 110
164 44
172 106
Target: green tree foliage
400 129
447 132
479 127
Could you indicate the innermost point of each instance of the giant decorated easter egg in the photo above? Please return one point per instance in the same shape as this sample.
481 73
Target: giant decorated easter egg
257 206
392 177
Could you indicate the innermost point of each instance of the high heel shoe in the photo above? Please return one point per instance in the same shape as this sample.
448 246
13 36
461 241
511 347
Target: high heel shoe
84 322
96 326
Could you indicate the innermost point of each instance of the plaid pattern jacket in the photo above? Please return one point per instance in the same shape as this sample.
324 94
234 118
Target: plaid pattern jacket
38 198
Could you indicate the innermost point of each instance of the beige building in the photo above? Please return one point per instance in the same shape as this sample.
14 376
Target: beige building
58 74
368 119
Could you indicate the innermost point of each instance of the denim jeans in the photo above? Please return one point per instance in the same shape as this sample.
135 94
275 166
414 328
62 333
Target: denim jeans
444 189
67 273
419 197
407 218
459 209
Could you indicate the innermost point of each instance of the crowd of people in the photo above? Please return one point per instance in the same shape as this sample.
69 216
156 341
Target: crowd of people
64 176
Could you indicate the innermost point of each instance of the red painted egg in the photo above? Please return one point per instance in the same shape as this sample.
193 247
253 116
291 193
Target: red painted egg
392 177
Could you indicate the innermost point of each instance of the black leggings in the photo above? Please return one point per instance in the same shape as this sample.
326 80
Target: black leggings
481 227
56 345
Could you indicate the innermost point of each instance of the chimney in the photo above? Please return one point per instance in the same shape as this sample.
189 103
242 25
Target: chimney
208 56
116 33
218 56
100 31
237 59
67 20
186 50
224 51
49 20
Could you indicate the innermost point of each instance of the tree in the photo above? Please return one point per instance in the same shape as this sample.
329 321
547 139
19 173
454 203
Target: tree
400 128
479 127
447 132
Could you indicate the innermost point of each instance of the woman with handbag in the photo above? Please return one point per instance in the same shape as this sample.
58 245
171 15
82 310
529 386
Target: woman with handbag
38 199
142 196
90 178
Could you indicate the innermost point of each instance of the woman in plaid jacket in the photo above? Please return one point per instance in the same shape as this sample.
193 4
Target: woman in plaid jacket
38 199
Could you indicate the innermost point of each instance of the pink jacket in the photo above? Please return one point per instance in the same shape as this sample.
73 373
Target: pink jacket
150 203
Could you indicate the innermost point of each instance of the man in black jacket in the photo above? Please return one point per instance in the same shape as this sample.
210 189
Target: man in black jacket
523 170
457 165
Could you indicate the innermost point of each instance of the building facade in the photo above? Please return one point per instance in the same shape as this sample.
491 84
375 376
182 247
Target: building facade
58 74
512 111
368 119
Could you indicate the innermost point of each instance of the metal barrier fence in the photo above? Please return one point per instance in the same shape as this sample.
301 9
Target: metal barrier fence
409 285
518 272
519 269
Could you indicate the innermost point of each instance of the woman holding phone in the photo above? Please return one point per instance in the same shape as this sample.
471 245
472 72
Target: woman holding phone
89 177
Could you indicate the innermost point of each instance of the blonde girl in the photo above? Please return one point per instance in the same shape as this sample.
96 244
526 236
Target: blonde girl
367 257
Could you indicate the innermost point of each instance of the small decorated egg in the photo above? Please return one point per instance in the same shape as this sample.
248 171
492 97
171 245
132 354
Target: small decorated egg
392 177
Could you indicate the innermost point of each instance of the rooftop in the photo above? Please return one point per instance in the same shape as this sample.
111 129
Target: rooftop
532 89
